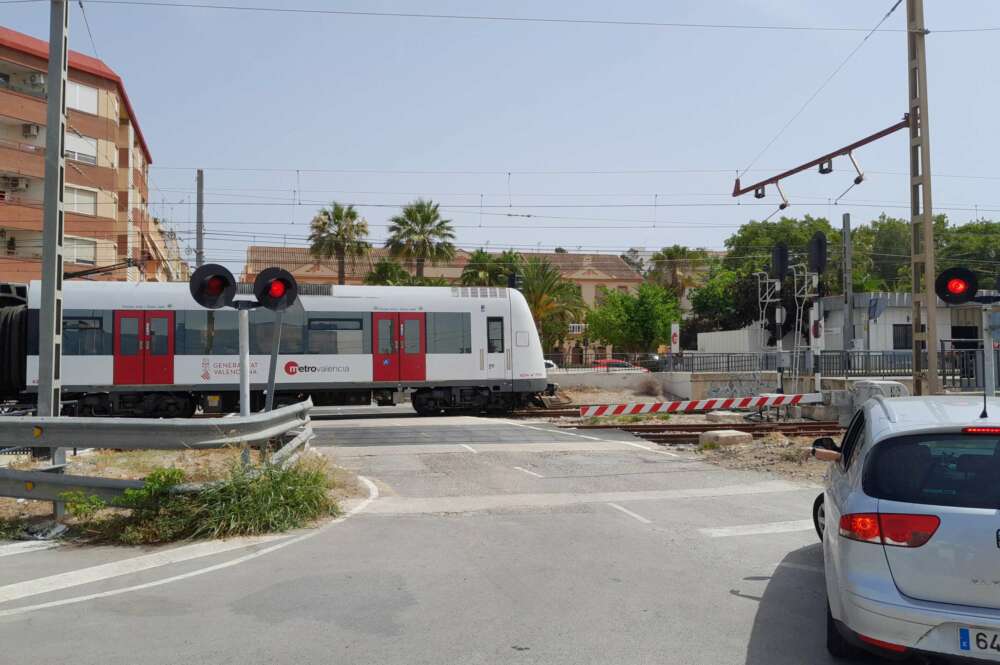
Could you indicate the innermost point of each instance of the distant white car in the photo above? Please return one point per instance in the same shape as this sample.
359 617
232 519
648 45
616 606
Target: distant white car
550 364
910 523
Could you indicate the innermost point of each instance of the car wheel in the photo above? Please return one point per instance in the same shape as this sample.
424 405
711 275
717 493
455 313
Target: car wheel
836 643
819 516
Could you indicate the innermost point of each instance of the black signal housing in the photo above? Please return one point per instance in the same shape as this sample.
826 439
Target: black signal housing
956 286
275 289
213 286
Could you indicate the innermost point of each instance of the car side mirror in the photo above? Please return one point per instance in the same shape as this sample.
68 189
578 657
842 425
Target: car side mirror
825 449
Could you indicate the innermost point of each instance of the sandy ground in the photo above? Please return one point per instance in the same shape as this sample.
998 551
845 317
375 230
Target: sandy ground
776 453
602 396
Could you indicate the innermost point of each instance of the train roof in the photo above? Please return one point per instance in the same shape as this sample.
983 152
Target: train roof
176 295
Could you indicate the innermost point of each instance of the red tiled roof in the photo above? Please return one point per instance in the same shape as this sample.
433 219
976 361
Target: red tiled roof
18 41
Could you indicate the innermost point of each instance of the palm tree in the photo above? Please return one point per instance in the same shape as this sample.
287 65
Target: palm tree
338 232
479 271
420 234
555 302
388 273
676 268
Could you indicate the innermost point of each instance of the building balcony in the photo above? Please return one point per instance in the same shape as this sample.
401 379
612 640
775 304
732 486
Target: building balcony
577 328
23 159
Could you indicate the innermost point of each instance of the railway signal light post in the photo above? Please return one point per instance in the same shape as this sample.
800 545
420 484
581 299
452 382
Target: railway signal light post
213 286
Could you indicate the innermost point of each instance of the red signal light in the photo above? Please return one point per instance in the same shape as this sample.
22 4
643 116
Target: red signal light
957 286
277 288
214 286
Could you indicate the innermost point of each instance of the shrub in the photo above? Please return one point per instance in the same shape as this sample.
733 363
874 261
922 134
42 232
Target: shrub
248 501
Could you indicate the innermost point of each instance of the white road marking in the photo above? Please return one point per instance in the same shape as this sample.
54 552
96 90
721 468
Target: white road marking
373 494
397 505
594 438
554 431
469 448
630 513
137 564
530 473
758 529
28 546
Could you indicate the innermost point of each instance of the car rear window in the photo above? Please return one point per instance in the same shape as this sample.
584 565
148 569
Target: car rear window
941 469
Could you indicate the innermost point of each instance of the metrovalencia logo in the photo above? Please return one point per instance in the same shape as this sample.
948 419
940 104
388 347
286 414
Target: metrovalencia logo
293 368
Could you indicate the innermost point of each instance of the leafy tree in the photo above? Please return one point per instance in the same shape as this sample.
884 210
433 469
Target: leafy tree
420 234
676 268
749 249
387 273
338 231
635 321
485 269
634 260
555 302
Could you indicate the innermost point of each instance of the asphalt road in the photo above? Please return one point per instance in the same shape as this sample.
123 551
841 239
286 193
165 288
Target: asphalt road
490 541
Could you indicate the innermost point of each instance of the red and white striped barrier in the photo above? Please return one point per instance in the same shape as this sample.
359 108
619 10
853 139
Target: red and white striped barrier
689 406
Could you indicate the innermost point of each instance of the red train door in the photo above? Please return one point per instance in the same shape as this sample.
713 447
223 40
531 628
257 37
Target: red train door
144 348
128 343
159 348
385 347
412 347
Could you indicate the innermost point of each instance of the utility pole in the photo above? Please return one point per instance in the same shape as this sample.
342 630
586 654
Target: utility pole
925 336
199 253
848 334
50 312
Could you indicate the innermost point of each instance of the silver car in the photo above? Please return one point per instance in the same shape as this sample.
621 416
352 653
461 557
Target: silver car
910 522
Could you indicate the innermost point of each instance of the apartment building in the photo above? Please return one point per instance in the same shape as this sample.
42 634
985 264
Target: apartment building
107 168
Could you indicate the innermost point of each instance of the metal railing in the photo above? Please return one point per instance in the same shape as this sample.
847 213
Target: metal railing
290 424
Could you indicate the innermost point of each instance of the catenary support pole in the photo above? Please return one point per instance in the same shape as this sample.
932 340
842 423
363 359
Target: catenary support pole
924 319
199 253
50 311
848 334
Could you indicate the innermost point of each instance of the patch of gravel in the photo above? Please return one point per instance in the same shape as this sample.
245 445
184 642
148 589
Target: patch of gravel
786 456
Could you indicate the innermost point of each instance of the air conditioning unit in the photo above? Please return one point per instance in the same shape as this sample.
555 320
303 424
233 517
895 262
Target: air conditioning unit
30 131
16 184
37 80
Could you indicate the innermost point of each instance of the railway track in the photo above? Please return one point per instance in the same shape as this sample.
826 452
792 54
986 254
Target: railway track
679 433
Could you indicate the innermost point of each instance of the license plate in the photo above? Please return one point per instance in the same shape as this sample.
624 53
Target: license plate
978 640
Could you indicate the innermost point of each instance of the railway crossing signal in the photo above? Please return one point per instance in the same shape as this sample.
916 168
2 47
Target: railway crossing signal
956 286
213 286
276 289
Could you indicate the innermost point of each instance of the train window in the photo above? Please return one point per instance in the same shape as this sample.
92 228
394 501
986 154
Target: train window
336 336
411 336
86 332
449 332
82 336
128 336
494 334
385 337
159 338
202 333
292 331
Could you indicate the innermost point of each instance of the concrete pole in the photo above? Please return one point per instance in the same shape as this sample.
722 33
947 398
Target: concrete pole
925 379
50 312
199 254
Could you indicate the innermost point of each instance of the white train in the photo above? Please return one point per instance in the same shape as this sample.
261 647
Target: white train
147 349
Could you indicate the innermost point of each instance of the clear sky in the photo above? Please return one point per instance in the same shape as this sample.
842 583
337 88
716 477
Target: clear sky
379 110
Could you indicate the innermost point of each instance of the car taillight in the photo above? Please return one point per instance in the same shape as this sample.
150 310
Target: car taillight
893 529
882 644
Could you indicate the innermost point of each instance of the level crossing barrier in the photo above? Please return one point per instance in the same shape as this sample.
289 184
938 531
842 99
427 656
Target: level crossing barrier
689 406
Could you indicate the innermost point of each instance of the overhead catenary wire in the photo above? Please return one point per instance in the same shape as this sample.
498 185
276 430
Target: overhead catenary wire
826 81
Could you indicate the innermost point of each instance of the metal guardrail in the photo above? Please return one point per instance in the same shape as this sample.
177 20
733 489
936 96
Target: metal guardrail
150 434
291 423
